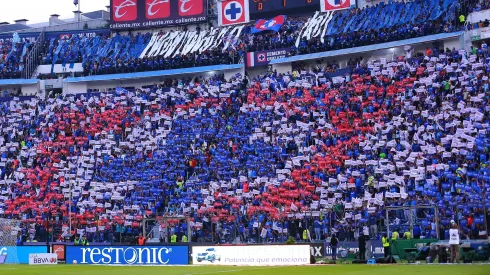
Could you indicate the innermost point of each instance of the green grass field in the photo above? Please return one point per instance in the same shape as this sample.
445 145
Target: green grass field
238 270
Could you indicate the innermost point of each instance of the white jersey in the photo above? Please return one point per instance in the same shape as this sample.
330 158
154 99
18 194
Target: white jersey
453 236
365 230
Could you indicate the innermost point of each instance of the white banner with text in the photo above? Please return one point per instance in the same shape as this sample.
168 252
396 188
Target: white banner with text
43 258
267 255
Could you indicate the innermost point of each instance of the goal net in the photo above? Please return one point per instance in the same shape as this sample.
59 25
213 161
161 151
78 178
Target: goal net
9 231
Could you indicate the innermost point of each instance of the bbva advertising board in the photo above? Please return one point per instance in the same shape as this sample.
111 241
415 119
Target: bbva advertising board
20 254
268 255
128 255
43 258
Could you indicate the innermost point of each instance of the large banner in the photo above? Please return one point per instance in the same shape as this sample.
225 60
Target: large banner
232 12
263 58
333 5
267 255
20 254
139 14
128 255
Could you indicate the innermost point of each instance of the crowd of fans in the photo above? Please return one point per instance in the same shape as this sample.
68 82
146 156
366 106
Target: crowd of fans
346 29
479 5
259 159
13 55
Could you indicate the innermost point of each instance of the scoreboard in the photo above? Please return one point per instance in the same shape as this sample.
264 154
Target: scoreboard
270 8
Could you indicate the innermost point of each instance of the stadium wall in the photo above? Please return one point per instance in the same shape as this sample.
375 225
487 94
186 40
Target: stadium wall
58 68
92 24
283 68
478 16
30 89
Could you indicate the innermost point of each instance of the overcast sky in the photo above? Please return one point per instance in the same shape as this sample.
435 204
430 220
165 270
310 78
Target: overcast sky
37 11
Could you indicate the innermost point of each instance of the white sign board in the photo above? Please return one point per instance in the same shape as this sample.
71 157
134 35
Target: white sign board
269 255
43 258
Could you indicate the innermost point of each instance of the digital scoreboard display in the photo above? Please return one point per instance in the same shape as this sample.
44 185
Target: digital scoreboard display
270 8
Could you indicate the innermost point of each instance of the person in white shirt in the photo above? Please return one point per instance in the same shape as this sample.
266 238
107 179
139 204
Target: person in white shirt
454 243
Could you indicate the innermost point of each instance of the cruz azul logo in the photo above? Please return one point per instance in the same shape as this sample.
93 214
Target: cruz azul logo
232 12
331 5
124 10
191 7
156 9
126 255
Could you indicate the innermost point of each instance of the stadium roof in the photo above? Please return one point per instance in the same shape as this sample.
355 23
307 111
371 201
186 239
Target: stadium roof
18 81
12 27
100 14
369 48
126 76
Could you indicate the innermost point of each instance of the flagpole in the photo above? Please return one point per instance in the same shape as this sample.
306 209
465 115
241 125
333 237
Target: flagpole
79 14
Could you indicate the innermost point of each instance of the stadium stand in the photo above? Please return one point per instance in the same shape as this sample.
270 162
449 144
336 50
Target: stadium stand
13 54
347 29
234 155
480 5
323 148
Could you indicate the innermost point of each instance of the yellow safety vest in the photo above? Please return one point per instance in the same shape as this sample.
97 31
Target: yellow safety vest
385 242
462 18
180 184
394 235
184 239
407 235
76 242
173 239
305 234
370 181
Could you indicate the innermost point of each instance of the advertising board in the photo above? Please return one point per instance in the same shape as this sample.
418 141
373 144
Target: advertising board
128 255
268 255
20 254
262 58
139 14
43 259
59 249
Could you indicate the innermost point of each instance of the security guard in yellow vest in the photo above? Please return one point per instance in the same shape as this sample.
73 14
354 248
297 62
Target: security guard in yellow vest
394 235
84 241
173 238
306 234
462 19
386 245
184 238
407 235
76 241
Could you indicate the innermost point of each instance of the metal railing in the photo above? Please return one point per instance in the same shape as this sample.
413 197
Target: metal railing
32 60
